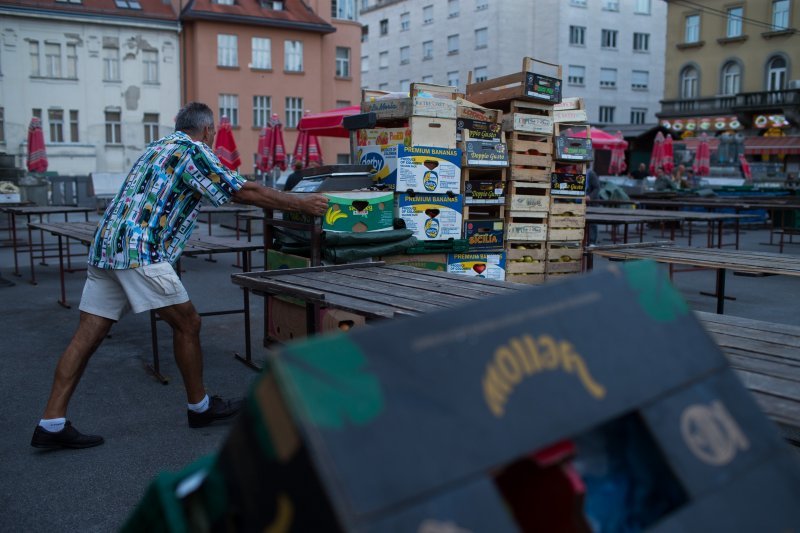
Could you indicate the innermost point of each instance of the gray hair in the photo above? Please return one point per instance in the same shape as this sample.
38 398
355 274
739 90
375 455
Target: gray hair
193 117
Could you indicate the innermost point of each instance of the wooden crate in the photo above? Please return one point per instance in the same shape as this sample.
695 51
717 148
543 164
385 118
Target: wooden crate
526 228
526 258
442 104
570 111
568 205
529 117
565 234
532 144
563 257
483 212
528 279
566 221
517 86
528 197
555 276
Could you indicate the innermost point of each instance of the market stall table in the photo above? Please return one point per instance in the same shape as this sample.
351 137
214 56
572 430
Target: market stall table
83 232
688 216
626 217
718 259
40 211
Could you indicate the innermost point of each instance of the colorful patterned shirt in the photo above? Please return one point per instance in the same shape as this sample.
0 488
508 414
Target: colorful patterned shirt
153 214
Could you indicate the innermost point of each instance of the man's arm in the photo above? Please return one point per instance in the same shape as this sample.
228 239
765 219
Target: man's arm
252 193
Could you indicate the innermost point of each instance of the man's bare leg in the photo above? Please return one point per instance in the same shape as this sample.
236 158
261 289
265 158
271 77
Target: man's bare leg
92 329
185 323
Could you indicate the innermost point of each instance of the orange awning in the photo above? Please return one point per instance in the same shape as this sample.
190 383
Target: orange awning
772 145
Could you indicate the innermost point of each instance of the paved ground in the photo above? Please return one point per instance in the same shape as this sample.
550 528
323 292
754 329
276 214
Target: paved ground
144 422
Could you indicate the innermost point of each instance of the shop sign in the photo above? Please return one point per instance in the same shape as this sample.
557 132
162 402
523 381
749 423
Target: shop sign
702 124
770 121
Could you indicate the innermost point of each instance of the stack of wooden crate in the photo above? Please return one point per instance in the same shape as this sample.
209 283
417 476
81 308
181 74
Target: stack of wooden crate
527 100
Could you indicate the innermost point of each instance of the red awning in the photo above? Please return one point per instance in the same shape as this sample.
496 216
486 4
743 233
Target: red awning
772 145
692 142
328 123
600 139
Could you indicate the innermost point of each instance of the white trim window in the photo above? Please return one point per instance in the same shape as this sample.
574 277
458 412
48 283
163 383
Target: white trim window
405 21
364 64
481 74
452 9
480 5
481 38
227 50
111 63
72 61
293 56
427 50
611 5
150 122
608 78
731 78
640 80
262 110
641 42
452 44
294 111
642 7
608 39
74 129
262 53
342 62
734 24
343 9
577 75
52 60
150 61
405 55
405 85
692 33
383 60
606 114
427 15
776 74
577 35
113 127
689 83
427 79
638 115
452 78
33 47
229 107
780 14
55 119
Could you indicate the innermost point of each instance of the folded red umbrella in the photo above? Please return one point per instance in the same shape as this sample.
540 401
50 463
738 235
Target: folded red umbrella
656 155
313 151
277 153
37 155
702 160
617 165
668 157
264 139
748 174
300 149
225 145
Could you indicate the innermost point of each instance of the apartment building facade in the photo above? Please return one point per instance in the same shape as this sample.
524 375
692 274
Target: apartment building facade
611 51
103 78
250 59
734 67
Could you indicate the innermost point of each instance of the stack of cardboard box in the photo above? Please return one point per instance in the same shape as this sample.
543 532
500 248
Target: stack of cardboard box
545 206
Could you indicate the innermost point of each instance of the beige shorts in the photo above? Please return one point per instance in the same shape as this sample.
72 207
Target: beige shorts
111 293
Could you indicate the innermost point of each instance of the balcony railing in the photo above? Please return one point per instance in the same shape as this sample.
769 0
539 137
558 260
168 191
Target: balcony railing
722 105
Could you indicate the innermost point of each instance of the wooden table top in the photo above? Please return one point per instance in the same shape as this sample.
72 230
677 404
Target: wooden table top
376 290
226 208
684 215
628 218
45 210
739 260
204 244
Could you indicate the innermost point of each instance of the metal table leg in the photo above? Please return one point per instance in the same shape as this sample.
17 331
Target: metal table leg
155 368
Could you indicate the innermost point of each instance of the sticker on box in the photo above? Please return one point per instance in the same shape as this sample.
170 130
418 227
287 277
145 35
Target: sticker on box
543 87
383 159
359 211
484 234
484 192
573 148
428 169
478 129
383 136
432 217
486 154
567 184
478 265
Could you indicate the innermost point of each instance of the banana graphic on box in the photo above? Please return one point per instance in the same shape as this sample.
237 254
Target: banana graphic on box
333 214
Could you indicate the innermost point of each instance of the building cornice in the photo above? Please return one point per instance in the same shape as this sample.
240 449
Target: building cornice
91 18
258 21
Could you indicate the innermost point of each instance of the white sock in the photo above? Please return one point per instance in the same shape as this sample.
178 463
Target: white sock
53 425
200 406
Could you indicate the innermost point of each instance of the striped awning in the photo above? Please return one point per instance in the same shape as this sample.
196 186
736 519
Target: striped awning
772 145
692 142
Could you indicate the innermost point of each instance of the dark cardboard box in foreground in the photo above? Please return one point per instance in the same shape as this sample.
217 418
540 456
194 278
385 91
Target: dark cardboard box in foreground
400 426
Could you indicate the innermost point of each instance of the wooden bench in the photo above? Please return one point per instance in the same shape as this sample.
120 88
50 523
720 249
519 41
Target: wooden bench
766 357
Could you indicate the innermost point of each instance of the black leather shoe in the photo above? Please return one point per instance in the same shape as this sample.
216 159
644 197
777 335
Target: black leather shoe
69 437
218 409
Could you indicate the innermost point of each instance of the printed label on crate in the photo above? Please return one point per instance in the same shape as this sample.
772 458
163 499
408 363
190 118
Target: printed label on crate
573 148
532 124
573 102
570 115
383 159
428 169
526 231
383 136
567 184
484 192
486 154
543 87
359 211
472 111
478 265
432 217
484 234
478 129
